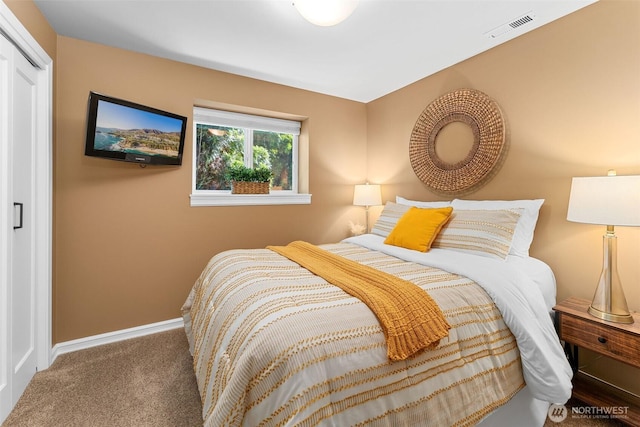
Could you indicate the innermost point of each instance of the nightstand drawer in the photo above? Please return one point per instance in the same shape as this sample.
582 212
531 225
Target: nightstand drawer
615 343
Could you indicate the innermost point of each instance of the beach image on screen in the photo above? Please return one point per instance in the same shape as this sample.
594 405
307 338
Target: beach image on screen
126 129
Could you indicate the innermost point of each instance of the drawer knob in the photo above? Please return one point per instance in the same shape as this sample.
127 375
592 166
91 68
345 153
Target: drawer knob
602 340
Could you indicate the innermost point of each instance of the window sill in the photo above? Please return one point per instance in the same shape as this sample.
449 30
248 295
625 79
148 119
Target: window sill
228 199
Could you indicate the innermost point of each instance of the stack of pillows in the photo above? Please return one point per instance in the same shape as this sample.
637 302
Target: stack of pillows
490 228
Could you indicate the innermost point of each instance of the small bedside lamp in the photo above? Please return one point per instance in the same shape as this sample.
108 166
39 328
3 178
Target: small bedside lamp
367 195
608 200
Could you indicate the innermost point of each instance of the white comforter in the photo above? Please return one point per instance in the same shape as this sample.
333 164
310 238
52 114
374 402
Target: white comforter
545 367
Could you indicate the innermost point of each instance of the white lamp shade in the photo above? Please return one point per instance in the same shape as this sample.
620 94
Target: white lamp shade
605 200
367 195
325 13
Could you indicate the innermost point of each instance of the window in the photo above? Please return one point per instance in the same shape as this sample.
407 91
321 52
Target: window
223 139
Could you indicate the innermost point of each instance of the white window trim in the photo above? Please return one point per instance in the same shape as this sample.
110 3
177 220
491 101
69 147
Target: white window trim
228 199
224 197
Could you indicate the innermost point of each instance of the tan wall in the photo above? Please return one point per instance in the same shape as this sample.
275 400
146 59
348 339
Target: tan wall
570 93
128 245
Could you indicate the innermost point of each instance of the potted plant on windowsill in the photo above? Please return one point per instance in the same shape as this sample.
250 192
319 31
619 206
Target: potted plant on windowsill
245 180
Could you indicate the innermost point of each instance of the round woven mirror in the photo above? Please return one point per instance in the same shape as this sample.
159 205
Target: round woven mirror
483 117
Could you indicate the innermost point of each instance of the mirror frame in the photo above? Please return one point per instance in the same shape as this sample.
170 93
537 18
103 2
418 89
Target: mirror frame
483 115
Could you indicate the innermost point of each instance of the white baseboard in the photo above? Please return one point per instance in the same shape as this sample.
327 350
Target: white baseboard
115 336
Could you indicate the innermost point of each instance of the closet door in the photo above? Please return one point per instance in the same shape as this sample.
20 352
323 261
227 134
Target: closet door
23 301
18 122
26 106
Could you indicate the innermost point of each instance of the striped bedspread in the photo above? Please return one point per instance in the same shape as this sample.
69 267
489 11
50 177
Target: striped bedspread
410 319
275 345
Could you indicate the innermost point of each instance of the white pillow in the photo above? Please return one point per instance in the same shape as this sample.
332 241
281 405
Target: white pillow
523 235
407 202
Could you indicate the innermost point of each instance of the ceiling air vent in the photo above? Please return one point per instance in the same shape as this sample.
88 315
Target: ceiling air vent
516 23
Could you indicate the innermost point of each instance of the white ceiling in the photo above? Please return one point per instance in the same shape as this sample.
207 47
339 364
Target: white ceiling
383 46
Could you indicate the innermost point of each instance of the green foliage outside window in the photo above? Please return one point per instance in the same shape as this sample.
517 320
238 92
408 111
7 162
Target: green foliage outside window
278 148
221 148
217 148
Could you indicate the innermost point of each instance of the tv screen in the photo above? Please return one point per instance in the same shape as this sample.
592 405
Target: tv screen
130 132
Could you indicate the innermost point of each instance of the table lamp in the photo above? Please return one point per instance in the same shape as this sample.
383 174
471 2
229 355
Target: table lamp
367 195
612 201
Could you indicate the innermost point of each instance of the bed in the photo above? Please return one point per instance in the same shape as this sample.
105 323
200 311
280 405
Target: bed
275 344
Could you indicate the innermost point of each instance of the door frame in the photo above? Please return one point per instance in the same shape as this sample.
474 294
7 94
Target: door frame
43 182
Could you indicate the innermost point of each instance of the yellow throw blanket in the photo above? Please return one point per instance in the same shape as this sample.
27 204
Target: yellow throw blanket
410 318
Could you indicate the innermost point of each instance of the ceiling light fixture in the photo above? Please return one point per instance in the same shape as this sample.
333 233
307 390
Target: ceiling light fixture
325 13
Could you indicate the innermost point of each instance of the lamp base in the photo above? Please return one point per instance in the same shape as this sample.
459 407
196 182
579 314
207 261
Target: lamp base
610 317
609 302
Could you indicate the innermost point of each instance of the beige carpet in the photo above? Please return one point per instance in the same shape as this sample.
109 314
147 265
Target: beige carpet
141 382
145 381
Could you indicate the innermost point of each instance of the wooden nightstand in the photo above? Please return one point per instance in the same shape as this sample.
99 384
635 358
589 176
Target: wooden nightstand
577 328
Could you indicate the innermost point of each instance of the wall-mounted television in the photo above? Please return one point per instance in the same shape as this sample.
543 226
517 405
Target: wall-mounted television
130 132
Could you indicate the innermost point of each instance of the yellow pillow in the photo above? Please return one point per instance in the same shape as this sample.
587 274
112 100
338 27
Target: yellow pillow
418 228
